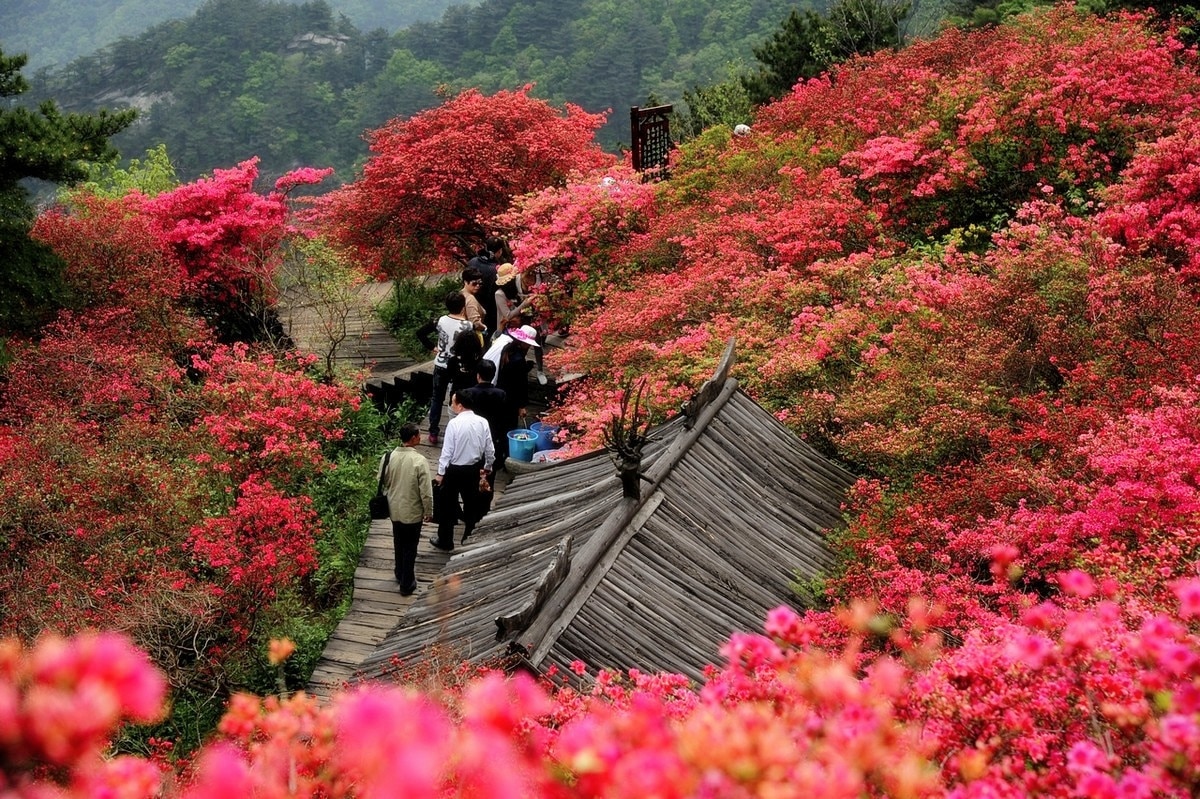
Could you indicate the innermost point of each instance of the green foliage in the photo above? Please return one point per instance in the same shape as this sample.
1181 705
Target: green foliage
811 590
59 31
340 497
194 715
30 282
799 49
413 303
47 145
727 103
151 177
328 283
299 84
808 43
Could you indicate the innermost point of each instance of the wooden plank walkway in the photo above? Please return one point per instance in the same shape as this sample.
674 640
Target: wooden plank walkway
377 606
312 322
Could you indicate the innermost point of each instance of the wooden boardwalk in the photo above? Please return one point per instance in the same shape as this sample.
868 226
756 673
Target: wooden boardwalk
377 606
312 321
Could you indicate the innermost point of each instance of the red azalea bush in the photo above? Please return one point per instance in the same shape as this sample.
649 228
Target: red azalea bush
915 259
1154 206
223 233
266 415
152 481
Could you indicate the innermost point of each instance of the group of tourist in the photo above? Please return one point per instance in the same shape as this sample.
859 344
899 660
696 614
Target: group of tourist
480 360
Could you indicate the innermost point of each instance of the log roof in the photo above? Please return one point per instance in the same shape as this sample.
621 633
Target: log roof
733 507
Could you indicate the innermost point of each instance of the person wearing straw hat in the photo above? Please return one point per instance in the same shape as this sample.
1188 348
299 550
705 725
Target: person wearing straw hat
510 300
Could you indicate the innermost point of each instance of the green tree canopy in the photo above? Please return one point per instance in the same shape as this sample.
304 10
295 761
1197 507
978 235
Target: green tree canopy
45 144
808 43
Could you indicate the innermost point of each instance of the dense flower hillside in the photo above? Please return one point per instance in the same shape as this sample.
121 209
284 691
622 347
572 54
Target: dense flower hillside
152 479
968 269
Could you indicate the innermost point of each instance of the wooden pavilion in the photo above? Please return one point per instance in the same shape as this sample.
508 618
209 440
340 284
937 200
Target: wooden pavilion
732 508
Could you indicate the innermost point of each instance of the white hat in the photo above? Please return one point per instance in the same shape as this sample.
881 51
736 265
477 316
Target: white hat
526 334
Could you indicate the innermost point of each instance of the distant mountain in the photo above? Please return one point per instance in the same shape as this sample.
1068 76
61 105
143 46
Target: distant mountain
299 84
56 32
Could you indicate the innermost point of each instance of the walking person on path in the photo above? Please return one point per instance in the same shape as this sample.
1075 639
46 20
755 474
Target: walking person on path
448 328
490 402
409 489
467 458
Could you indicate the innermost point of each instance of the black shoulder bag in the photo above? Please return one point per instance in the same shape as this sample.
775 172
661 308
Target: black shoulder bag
379 502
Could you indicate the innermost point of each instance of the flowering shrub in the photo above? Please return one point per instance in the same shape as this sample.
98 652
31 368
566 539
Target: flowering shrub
572 238
1094 695
266 415
152 481
1154 205
927 276
60 702
226 237
265 540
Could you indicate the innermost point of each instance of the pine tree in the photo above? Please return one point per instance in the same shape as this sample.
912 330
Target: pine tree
799 49
47 145
807 43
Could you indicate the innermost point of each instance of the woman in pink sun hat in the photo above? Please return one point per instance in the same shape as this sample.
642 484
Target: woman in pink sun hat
512 372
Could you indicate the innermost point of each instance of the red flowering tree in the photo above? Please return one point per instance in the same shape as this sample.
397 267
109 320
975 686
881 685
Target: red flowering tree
434 181
226 238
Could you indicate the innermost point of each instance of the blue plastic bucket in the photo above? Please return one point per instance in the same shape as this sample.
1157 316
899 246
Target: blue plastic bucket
545 435
522 444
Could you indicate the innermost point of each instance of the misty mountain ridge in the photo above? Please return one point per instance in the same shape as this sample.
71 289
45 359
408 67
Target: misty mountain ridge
55 32
300 84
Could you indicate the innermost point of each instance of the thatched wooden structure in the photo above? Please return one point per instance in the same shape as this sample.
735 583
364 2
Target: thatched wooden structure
733 506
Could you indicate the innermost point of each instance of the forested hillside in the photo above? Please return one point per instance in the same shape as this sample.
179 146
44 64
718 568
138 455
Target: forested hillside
56 32
299 85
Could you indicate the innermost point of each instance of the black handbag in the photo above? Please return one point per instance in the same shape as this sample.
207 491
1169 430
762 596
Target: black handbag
379 502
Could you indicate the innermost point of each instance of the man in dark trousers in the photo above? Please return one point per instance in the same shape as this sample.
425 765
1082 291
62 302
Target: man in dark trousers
490 403
409 489
466 460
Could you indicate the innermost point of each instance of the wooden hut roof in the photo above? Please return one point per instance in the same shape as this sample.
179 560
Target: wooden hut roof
733 507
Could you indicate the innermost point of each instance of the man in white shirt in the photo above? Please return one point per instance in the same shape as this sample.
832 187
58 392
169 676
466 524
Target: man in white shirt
466 459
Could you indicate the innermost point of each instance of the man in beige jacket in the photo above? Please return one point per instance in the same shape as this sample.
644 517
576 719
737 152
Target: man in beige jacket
409 488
